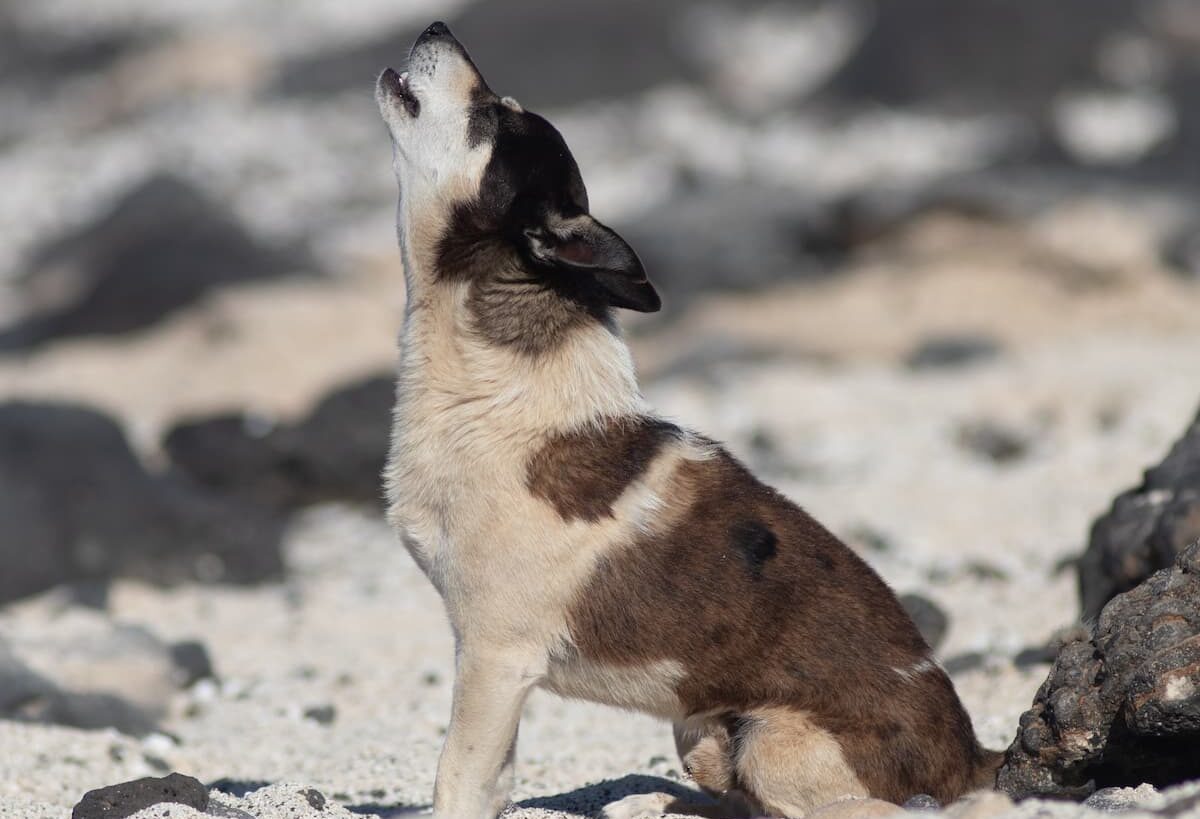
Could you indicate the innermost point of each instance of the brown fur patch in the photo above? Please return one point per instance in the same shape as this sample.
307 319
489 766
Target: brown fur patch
765 608
582 473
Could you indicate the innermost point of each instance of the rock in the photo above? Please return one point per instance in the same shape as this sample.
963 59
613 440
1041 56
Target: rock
1147 527
336 453
306 803
321 714
941 352
127 798
1119 799
162 245
192 662
922 801
315 798
78 505
966 661
993 441
931 620
1123 706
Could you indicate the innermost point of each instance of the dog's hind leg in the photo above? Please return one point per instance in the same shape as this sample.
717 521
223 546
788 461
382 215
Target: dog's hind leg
475 768
789 764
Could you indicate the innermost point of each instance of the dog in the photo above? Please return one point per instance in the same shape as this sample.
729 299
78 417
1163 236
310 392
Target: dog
583 544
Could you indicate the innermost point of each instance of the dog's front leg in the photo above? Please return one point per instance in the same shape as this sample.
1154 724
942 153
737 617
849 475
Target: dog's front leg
475 770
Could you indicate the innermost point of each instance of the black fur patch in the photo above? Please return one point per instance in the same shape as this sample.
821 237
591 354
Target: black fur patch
516 300
755 542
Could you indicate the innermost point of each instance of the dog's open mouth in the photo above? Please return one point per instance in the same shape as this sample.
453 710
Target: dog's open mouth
398 87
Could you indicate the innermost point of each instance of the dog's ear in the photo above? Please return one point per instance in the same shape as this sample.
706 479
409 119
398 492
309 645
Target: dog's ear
598 260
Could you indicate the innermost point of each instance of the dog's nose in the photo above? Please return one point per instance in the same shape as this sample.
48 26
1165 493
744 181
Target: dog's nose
435 31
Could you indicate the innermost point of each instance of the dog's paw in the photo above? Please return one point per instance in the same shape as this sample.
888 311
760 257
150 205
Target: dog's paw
638 806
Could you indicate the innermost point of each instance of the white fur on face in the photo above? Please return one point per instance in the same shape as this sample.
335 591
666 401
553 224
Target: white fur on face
434 163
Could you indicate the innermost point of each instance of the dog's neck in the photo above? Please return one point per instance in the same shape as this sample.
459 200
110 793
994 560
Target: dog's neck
450 368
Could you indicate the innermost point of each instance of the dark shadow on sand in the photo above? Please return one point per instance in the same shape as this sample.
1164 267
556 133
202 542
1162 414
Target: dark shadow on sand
588 800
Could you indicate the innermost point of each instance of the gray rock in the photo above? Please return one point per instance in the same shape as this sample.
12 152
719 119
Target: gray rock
161 246
948 351
321 714
922 802
1147 527
127 798
1123 706
964 662
78 505
192 662
993 441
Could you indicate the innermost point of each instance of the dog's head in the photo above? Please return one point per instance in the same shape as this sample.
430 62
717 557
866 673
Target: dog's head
490 195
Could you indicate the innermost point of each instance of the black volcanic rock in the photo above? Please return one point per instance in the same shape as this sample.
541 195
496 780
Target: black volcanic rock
127 798
162 245
1147 527
77 505
336 453
1122 707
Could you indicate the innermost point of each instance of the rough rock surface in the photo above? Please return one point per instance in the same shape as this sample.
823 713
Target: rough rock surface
1147 527
1123 707
77 504
127 798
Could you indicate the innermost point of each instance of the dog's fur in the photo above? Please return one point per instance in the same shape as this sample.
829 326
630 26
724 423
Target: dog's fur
587 546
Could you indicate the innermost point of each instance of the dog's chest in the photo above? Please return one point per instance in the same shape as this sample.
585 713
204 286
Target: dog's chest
448 474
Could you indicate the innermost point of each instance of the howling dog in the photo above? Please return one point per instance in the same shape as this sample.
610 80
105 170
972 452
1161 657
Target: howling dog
585 545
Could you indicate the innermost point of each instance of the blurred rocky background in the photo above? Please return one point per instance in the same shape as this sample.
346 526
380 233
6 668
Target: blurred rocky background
932 267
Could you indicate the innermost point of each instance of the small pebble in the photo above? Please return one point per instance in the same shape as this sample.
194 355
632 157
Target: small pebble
922 801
